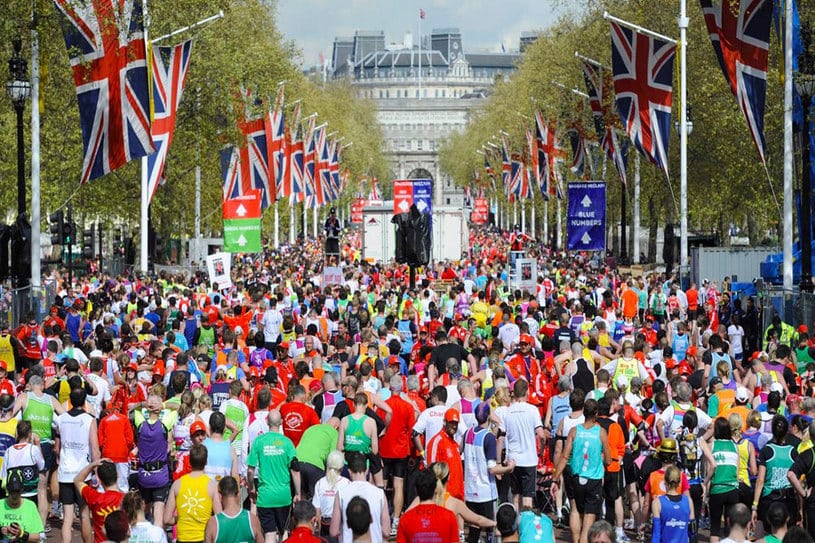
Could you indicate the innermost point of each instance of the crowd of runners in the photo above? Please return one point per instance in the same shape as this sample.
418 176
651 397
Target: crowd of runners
152 409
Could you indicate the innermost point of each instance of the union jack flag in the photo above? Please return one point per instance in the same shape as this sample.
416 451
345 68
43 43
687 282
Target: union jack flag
292 177
643 74
109 62
488 167
374 195
578 151
334 170
550 155
254 155
598 87
170 65
294 165
740 33
233 182
506 166
320 172
276 143
309 158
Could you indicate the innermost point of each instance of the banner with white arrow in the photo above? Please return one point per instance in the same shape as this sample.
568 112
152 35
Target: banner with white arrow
242 223
586 216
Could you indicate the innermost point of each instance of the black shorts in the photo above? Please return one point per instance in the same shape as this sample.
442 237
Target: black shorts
612 485
274 519
522 481
394 467
588 496
629 469
69 495
152 495
47 449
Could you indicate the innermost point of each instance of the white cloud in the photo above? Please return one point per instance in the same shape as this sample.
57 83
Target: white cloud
484 24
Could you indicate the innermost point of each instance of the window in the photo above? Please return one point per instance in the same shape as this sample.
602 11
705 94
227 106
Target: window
421 145
448 201
417 93
444 93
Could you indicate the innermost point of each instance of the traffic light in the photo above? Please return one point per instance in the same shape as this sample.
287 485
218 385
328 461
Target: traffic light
68 232
87 242
57 220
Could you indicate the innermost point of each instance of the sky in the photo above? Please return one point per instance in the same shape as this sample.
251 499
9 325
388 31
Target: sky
484 24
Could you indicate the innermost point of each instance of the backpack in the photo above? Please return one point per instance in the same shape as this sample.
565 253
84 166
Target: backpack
689 453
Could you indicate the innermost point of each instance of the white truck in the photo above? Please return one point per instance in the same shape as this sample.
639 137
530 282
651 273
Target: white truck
449 233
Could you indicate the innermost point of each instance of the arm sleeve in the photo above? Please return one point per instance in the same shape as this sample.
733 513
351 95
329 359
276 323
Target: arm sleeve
490 447
421 423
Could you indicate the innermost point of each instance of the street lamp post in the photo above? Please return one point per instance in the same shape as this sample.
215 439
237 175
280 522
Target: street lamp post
805 85
19 89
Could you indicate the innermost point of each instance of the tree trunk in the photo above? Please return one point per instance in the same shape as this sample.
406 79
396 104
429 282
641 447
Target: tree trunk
724 230
752 230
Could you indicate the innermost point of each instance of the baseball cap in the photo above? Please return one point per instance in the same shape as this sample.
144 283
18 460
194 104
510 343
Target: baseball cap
526 338
742 395
670 363
452 415
133 366
482 412
803 329
96 353
622 381
284 345
198 426
777 387
692 350
3 365
715 381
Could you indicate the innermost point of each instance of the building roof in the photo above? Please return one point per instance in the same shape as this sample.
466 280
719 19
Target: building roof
492 60
403 58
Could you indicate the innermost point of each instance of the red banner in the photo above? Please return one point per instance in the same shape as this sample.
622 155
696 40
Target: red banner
357 205
481 211
243 207
402 196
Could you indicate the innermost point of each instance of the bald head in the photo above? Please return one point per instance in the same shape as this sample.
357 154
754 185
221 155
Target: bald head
274 419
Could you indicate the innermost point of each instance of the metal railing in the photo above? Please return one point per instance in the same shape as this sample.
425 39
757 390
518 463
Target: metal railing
16 304
793 306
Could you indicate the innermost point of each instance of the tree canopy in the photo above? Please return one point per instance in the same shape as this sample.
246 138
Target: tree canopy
245 48
727 181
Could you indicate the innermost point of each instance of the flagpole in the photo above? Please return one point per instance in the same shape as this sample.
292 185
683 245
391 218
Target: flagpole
559 226
292 212
683 21
420 54
197 163
643 30
532 229
635 254
546 221
145 189
202 22
276 226
36 250
523 216
788 148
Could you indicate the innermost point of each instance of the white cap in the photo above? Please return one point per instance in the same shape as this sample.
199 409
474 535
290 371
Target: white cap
238 330
140 353
742 395
97 353
777 387
622 381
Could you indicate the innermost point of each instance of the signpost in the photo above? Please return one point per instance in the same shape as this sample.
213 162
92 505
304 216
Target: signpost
586 218
242 224
407 192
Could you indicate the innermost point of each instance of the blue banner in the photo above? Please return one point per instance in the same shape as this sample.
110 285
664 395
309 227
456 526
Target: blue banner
423 194
586 217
